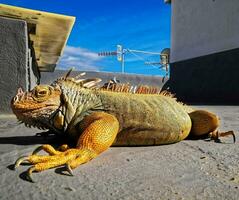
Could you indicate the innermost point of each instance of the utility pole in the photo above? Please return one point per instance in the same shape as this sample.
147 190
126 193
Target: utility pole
121 56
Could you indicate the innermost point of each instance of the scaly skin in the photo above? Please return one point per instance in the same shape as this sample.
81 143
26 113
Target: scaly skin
146 119
98 119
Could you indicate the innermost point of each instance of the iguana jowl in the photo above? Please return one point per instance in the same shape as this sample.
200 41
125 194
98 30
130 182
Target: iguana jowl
99 118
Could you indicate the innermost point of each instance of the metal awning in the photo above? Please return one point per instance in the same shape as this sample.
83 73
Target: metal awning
48 32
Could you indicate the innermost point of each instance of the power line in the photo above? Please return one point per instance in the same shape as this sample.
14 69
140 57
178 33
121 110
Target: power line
141 58
144 52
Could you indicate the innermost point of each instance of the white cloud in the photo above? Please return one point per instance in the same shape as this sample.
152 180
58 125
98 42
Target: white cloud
80 58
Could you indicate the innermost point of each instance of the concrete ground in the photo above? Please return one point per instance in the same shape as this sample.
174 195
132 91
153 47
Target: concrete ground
186 170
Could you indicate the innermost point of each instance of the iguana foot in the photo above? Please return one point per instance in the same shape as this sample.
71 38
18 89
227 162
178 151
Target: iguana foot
100 130
70 158
215 135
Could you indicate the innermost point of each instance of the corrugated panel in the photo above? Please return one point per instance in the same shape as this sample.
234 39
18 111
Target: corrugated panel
48 31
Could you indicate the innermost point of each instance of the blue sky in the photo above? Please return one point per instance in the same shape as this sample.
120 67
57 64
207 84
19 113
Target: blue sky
102 24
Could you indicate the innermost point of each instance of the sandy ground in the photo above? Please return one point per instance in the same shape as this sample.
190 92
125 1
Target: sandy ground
186 170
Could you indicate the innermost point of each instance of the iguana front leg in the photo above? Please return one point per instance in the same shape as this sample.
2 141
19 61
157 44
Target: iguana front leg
100 130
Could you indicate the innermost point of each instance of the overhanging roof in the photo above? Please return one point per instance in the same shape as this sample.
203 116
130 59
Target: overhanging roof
48 31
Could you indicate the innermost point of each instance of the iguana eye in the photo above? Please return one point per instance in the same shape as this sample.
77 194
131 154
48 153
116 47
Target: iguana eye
41 91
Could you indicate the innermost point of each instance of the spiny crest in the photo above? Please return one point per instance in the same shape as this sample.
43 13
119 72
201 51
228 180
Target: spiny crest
167 94
86 83
113 85
127 88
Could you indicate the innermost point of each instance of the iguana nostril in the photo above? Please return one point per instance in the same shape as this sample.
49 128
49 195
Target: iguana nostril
15 99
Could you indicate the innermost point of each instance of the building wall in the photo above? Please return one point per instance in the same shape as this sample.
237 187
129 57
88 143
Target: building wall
204 65
14 66
210 79
203 27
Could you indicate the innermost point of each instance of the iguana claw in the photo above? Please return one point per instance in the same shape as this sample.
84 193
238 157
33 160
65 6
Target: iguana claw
20 160
29 174
37 150
68 169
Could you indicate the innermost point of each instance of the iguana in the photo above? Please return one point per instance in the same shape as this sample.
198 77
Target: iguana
97 118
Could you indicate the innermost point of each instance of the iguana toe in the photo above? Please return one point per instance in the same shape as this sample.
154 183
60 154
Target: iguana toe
47 148
216 136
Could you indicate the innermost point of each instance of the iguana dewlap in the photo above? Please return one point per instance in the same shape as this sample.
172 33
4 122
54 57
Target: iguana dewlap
98 119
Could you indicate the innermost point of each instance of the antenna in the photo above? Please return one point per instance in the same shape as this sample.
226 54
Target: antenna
121 53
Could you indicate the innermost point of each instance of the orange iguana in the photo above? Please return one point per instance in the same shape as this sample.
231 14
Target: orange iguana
98 118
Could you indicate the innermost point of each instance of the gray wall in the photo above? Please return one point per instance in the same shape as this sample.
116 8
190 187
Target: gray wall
15 70
134 79
202 27
13 59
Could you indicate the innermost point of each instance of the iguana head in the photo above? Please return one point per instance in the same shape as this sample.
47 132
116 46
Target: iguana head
53 106
34 108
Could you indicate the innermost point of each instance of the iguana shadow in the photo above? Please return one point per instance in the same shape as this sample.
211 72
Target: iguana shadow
39 138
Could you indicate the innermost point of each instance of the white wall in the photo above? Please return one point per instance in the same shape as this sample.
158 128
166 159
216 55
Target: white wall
202 27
